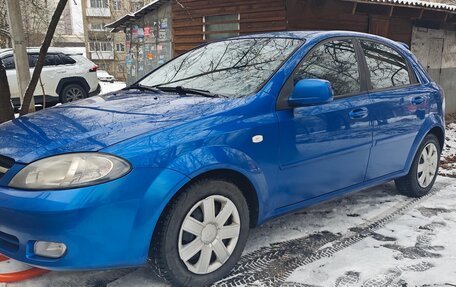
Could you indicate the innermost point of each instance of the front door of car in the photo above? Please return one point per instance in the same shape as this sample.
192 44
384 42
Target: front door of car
399 107
325 148
11 74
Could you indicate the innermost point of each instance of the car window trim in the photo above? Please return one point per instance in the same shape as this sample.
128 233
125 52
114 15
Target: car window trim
412 76
281 104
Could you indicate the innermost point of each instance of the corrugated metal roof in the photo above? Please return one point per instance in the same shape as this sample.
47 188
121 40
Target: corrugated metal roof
121 22
414 3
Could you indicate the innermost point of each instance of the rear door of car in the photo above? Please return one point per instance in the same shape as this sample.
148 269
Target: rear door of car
399 107
325 148
56 67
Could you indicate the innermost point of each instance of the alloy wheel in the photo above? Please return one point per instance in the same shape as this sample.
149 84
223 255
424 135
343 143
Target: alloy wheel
74 94
427 165
209 234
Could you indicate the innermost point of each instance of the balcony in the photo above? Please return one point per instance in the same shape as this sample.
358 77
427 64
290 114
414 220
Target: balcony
102 55
98 12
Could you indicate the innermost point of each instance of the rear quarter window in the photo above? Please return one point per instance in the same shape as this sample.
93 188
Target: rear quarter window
66 60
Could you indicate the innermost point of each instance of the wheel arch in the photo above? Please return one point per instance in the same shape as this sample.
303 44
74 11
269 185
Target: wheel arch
237 178
440 134
432 126
72 80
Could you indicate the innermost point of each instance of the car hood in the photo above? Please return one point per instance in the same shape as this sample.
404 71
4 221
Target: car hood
95 123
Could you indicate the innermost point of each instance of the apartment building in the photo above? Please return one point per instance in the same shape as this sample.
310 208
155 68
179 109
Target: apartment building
70 30
106 49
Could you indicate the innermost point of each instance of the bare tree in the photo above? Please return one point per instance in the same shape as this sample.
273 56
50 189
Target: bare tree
38 16
43 51
6 109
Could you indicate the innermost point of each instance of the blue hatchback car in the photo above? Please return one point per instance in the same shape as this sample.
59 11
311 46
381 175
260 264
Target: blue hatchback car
176 168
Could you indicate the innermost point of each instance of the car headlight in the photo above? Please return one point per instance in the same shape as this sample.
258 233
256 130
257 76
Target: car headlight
70 171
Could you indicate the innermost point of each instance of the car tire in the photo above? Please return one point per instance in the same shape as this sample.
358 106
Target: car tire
170 254
423 173
72 92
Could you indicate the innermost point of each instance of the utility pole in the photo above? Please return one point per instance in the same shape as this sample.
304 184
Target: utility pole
19 47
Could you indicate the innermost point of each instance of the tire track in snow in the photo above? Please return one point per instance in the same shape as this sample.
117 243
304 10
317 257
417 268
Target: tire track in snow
271 266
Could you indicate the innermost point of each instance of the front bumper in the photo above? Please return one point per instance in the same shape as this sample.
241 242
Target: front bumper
104 226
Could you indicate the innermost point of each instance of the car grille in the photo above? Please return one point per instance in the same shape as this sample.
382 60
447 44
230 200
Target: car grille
5 164
8 242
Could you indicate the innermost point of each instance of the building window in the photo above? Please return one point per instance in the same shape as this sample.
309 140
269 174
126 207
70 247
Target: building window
99 4
120 47
121 68
136 5
97 27
117 5
221 26
100 46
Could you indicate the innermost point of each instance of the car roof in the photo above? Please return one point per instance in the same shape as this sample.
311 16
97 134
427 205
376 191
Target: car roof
320 35
305 35
64 50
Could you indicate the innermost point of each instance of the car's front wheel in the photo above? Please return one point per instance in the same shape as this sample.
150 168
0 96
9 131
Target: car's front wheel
419 181
202 234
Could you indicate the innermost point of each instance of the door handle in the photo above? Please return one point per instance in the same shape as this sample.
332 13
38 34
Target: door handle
418 100
360 113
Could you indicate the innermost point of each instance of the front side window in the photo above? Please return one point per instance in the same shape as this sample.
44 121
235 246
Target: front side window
33 58
8 63
335 62
386 67
232 68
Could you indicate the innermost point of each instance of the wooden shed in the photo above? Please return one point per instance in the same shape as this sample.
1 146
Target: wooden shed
429 28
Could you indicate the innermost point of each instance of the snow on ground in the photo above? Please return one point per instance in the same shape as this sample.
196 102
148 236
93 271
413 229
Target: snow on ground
414 250
448 164
340 243
107 87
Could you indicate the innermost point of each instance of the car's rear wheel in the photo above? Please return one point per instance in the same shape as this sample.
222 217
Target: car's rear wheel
202 234
73 92
423 173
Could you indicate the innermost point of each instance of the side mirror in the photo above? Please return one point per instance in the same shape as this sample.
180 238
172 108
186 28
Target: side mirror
310 92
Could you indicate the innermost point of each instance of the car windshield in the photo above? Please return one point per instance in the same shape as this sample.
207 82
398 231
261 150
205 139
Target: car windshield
233 68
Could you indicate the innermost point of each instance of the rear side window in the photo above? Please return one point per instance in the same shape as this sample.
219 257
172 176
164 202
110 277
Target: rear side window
387 68
335 62
8 63
51 60
66 60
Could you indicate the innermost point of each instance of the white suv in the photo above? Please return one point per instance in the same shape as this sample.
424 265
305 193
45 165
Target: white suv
66 76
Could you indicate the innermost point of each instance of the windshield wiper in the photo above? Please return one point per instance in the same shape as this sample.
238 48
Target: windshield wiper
142 88
184 91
